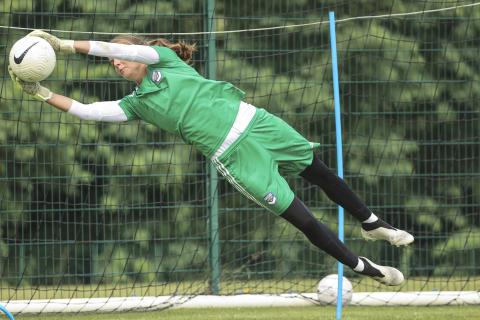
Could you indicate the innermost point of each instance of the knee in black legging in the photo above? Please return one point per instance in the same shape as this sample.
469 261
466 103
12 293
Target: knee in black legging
319 174
335 188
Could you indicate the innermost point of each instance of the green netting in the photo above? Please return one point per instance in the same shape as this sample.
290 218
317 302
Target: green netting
99 210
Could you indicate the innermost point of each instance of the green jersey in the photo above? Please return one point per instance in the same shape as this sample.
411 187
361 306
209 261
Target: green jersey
175 98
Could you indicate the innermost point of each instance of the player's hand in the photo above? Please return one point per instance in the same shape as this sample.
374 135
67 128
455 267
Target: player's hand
62 46
32 88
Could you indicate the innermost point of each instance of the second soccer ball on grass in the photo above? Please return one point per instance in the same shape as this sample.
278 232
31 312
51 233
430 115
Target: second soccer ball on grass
327 290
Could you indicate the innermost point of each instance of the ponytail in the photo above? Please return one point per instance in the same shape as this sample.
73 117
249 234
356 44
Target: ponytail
183 50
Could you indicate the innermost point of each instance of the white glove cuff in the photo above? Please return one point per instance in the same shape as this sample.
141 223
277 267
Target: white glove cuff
66 46
44 94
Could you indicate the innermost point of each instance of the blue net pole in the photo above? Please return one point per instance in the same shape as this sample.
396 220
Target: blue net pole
338 131
6 312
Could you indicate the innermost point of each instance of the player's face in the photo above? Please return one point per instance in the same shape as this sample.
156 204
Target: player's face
134 71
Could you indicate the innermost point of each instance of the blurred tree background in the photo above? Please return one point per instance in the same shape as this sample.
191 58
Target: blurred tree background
96 203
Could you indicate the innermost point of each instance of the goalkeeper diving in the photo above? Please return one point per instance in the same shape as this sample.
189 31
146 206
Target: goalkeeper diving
252 148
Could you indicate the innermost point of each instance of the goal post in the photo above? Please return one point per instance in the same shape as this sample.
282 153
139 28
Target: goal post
149 303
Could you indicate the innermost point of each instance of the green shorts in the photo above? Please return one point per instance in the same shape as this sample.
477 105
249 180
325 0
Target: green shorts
256 166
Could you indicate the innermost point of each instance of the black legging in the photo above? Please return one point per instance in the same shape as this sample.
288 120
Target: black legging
318 234
336 189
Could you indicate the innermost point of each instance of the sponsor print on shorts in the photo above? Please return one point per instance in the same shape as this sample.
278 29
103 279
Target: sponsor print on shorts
270 198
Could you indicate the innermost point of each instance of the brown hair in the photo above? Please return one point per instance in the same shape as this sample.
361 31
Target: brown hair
183 50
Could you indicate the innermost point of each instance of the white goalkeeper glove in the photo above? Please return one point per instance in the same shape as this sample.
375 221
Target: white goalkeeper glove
62 46
32 88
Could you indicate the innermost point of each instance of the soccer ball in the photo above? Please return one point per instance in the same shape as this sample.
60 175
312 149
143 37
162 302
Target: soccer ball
32 59
327 290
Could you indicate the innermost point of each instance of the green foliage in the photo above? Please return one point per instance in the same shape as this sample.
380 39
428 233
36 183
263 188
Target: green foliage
411 131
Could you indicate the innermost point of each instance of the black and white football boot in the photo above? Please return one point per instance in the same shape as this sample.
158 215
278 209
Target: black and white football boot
387 275
380 230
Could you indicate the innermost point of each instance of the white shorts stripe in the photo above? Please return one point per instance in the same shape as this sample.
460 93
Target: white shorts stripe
224 172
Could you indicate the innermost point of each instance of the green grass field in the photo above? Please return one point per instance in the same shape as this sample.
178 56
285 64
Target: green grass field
296 313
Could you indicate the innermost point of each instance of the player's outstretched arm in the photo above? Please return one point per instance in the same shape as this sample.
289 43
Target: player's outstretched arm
108 111
41 93
137 53
59 45
129 52
31 88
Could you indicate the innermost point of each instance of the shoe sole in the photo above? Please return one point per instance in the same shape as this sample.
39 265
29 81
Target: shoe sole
403 240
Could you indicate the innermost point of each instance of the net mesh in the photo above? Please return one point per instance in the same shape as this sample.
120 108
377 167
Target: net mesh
105 210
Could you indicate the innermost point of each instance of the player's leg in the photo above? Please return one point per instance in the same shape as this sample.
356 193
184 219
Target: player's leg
252 168
373 228
323 238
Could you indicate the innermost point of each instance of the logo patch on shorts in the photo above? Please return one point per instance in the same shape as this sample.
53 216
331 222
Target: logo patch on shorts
156 76
270 198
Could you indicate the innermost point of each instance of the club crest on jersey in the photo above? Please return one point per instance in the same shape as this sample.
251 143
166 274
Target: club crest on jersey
270 198
157 76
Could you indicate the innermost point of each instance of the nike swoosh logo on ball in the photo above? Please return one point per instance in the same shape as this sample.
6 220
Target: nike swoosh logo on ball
19 59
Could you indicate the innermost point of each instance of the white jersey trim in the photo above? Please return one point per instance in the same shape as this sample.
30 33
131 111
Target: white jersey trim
245 114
